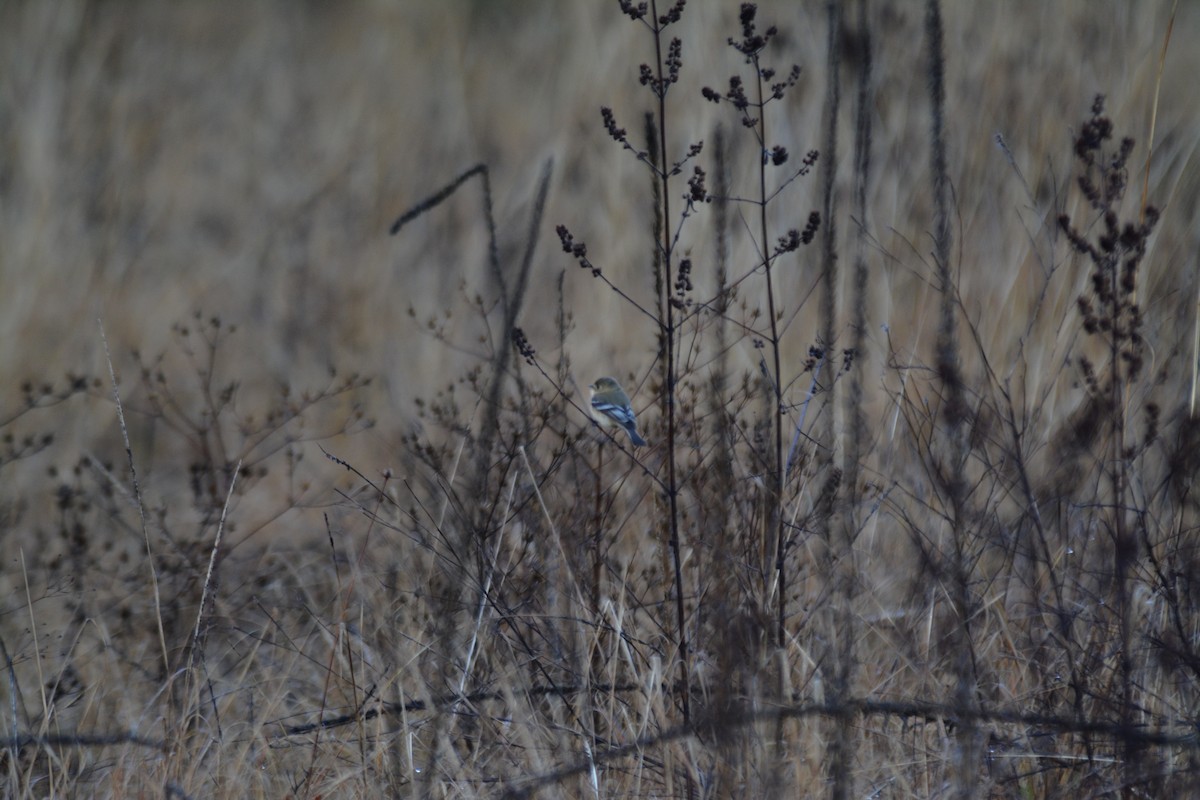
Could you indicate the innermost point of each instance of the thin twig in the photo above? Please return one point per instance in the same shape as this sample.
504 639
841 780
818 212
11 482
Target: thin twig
137 495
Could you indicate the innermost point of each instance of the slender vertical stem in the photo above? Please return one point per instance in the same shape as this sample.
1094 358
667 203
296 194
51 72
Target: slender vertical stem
669 322
1124 549
776 515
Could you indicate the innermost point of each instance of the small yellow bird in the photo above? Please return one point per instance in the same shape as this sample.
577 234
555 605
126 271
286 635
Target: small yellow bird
610 406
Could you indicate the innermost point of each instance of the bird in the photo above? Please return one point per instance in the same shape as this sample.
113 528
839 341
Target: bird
610 406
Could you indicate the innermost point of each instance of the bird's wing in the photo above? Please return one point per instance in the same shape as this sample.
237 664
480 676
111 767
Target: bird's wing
621 414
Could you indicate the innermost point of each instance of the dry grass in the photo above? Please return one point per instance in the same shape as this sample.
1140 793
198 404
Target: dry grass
323 531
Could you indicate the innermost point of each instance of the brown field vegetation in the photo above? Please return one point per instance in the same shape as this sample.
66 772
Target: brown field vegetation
298 487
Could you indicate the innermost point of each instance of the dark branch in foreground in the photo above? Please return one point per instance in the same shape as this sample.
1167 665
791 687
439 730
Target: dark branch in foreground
444 702
80 740
930 712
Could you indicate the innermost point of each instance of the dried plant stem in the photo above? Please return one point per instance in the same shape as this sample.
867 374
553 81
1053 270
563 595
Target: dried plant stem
212 563
775 518
137 494
670 334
